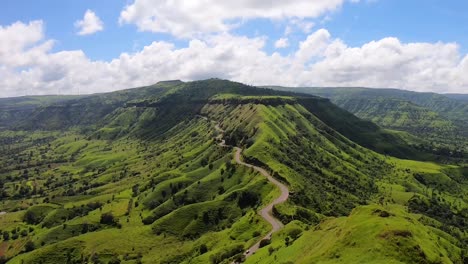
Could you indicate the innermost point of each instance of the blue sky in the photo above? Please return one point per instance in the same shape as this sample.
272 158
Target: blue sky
131 25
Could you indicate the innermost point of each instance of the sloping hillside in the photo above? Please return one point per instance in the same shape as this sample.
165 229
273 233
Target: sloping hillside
17 108
439 119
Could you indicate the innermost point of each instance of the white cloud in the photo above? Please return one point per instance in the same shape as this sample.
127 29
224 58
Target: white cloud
21 44
183 18
313 46
90 24
28 64
282 43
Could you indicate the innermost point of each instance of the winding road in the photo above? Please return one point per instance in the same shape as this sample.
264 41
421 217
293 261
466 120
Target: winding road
267 211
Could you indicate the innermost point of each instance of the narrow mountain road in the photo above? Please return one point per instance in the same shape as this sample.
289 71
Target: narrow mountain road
267 211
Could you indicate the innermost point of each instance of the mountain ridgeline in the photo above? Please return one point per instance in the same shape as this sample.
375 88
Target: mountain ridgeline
140 176
441 120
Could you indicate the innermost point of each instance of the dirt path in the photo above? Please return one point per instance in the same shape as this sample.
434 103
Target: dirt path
265 212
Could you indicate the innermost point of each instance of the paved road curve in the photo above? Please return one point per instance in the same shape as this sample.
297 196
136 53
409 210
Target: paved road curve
265 212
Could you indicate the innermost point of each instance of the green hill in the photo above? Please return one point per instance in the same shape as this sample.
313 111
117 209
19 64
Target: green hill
442 120
138 176
17 108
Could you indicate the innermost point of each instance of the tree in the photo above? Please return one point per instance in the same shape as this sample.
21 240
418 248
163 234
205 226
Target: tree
206 217
108 219
30 218
24 232
264 242
203 249
135 190
247 198
29 246
84 228
6 235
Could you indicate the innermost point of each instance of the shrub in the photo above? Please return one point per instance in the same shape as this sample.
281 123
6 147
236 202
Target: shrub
295 233
264 242
108 219
203 249
31 218
24 232
6 235
29 246
247 198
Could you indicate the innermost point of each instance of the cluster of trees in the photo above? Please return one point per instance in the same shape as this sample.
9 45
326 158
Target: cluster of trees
15 233
248 199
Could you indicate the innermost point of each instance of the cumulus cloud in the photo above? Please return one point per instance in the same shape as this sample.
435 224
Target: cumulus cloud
313 46
90 24
21 44
282 43
28 64
183 18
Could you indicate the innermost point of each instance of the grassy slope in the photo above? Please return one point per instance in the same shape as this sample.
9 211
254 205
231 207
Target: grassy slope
440 119
200 190
284 129
367 235
17 108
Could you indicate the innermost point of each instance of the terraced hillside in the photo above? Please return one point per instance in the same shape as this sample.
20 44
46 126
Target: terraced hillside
143 179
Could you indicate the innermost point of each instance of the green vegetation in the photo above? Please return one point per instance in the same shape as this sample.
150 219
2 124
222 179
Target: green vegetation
137 176
13 109
440 122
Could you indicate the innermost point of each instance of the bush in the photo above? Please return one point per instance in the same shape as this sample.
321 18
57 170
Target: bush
6 235
29 246
264 242
31 218
148 220
108 219
247 198
203 249
295 233
24 232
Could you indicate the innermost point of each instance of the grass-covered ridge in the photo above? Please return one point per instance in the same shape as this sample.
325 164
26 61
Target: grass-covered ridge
439 119
146 181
